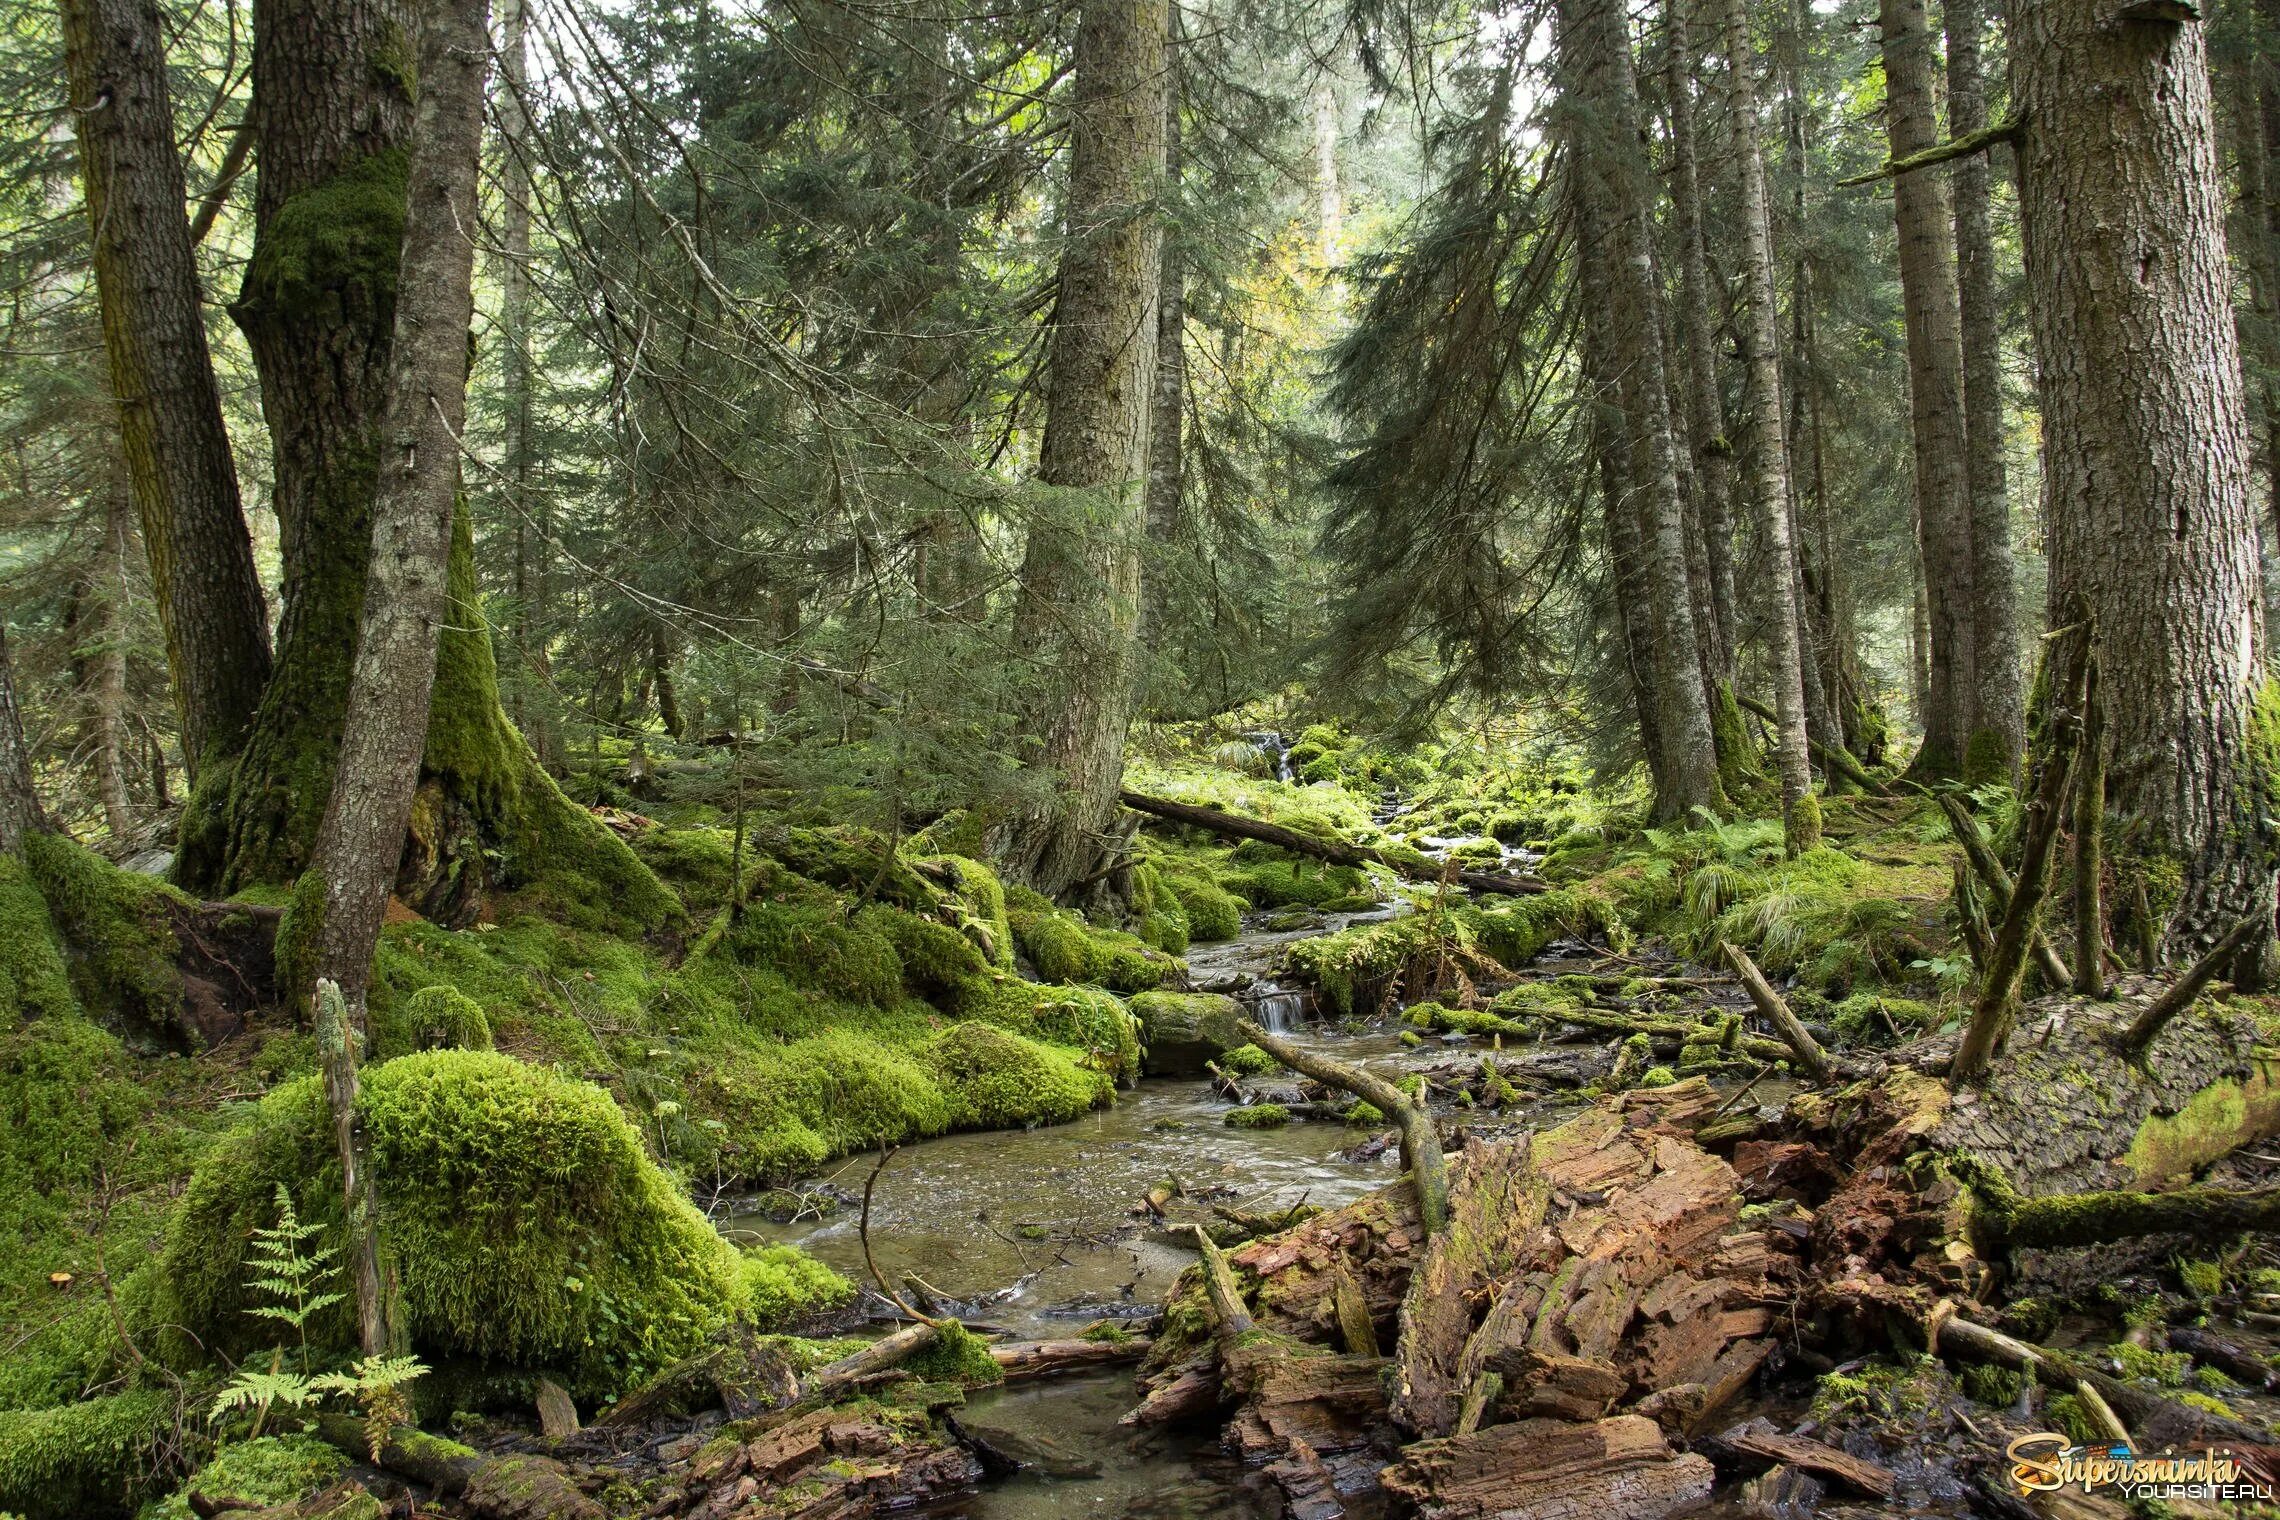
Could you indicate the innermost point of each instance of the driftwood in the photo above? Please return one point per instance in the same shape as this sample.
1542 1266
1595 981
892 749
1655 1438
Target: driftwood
1832 757
1420 1141
1769 1003
2180 995
1228 1311
1758 1439
1336 851
516 1486
1028 1361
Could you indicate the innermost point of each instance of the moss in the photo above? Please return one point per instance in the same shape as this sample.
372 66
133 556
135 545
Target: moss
1518 932
977 905
1064 948
1248 1061
858 861
298 932
2164 1369
1258 1116
1213 912
1738 767
1278 880
1657 1076
996 1080
81 1460
2193 1398
1802 825
117 929
525 1221
2202 1280
1364 1115
783 1109
1357 968
817 947
442 1017
33 981
956 1355
1086 1019
696 863
1987 758
779 1285
2070 1415
271 1470
2217 1120
68 1099
938 962
1158 916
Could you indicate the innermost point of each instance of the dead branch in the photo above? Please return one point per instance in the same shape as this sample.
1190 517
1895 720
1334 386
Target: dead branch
1795 1035
1420 1141
2181 993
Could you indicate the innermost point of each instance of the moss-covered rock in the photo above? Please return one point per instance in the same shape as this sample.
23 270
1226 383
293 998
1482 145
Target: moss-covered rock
997 1080
81 1461
442 1017
525 1221
1064 948
270 1470
1258 1116
818 947
1183 1031
779 1285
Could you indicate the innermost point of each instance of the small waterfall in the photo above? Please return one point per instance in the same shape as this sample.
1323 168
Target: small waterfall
1277 1009
1276 749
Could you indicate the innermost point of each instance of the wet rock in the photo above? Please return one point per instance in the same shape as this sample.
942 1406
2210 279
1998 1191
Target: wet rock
1182 1031
1004 1450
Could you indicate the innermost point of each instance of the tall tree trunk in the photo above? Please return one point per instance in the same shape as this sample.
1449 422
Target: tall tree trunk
1705 411
1595 53
170 410
1935 390
406 603
1769 453
1168 403
1079 607
20 811
2145 445
1999 702
107 679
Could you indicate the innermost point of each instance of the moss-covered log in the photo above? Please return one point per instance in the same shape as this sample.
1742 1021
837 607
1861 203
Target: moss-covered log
2003 1219
1337 851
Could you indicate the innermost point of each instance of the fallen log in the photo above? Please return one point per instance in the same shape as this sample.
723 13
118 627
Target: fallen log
1613 1023
1805 1455
1834 757
516 1486
882 1355
1776 1012
2003 1220
2235 1361
1028 1361
2153 1419
1420 1141
1336 851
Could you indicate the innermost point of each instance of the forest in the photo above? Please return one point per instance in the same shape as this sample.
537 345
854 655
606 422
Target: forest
1466 759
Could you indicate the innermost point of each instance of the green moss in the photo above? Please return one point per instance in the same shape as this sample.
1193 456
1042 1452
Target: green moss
1248 1061
1987 758
997 1080
2217 1120
1258 1116
442 1017
331 252
1086 1019
1064 948
1517 932
1364 1115
271 1470
116 927
1355 969
1996 1387
696 863
2202 1280
977 906
68 1099
33 981
1738 767
2070 1415
2165 1369
298 932
1213 912
858 861
1277 880
81 1460
779 1285
784 1109
817 947
957 1355
1658 1076
525 1221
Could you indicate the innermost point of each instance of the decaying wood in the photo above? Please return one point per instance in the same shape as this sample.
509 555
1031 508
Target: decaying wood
1420 1141
338 1038
516 1486
2004 1220
1550 1470
1757 1439
737 1370
1610 1022
2180 995
1493 1206
2152 1418
2235 1361
1027 1361
882 1355
1336 851
829 1464
1355 1328
1770 1004
1232 1316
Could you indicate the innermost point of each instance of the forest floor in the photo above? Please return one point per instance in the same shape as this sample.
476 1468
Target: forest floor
624 1184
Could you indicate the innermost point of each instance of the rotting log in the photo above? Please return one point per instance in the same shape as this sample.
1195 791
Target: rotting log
882 1355
1618 1023
2235 1361
1228 1310
1834 757
2003 1220
1551 1470
1420 1140
2152 1418
1769 1003
1338 852
2180 994
1029 1361
514 1486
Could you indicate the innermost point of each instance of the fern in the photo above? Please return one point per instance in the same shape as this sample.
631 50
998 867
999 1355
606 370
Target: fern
290 1270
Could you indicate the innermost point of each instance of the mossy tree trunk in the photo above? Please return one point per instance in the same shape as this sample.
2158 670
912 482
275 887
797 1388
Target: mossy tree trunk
170 411
406 601
1078 615
2146 447
333 113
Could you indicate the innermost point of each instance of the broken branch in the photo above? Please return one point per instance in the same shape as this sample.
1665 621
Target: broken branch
1420 1141
1795 1035
2185 989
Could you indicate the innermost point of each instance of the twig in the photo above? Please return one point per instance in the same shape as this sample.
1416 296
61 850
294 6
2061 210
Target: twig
863 1233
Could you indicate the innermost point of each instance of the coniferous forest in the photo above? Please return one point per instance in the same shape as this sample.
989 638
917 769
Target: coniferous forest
1477 759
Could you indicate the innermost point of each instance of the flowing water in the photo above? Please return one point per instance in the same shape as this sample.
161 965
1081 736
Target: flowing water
1035 1233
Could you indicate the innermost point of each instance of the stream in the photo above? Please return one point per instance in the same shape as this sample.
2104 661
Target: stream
1036 1233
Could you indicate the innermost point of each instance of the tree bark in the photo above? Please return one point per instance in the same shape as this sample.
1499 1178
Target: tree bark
1999 692
1079 607
1168 402
170 410
1769 454
1935 391
107 680
20 811
2145 445
384 734
1595 55
1705 410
